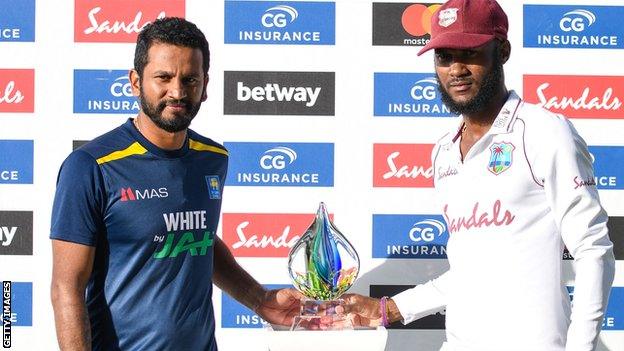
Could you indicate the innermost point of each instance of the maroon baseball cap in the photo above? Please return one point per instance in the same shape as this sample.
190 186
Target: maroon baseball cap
466 24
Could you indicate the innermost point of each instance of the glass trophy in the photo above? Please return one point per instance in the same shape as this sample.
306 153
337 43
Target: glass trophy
322 265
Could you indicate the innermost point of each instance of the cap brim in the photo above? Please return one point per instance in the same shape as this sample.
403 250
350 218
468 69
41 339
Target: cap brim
457 41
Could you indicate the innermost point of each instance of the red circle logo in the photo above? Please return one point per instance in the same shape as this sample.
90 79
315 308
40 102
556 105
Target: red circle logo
416 19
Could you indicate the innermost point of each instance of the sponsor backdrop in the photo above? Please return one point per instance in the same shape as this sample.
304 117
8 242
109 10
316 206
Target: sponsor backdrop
316 101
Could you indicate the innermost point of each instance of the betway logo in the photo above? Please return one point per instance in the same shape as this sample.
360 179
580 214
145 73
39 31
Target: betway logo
129 194
577 96
274 92
16 233
263 234
279 93
6 235
402 165
119 20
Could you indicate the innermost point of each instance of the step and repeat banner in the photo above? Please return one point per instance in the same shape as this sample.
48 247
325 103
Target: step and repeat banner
316 101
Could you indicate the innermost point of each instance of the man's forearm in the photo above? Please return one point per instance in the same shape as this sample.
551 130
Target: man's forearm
233 279
73 329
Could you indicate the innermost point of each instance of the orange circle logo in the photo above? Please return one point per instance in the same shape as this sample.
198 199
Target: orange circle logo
416 19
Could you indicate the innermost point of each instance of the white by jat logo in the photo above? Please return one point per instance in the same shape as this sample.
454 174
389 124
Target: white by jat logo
277 16
426 230
278 158
424 89
577 20
121 87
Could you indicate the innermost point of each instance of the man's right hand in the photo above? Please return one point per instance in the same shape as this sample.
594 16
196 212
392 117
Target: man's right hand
363 311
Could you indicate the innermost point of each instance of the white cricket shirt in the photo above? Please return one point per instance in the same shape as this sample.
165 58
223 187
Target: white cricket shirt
523 190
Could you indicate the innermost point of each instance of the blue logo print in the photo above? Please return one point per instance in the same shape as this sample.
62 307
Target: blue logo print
583 27
16 161
408 94
280 164
608 171
103 91
614 315
268 22
21 304
235 315
17 21
409 236
214 187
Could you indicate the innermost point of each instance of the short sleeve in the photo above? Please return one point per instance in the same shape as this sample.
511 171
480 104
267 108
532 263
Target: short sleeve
79 201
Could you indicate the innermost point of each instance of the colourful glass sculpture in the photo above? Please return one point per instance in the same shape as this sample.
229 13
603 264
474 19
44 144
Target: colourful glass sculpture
322 263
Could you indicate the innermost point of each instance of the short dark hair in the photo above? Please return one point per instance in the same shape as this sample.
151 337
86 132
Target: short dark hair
170 30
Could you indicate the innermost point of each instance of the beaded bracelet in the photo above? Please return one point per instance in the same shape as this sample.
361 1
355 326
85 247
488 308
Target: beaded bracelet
384 311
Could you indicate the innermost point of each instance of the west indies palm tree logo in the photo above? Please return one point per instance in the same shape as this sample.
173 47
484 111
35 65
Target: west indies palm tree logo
501 157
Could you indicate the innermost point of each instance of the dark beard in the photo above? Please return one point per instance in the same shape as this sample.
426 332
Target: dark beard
492 83
177 124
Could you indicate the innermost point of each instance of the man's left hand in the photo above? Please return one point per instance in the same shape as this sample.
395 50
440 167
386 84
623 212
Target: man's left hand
280 306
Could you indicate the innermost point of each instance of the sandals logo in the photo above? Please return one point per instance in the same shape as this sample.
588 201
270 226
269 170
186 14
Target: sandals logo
114 21
185 233
17 90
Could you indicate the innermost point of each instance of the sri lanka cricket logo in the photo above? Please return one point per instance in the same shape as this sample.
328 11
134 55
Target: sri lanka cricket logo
501 157
214 187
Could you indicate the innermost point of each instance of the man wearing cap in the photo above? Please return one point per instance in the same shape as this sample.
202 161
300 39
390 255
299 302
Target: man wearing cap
515 183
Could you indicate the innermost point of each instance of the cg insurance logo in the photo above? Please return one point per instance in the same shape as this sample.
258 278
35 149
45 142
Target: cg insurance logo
573 26
269 22
19 301
577 96
16 161
263 234
608 170
402 165
614 315
17 20
103 91
408 94
409 236
111 21
402 23
17 90
280 164
235 315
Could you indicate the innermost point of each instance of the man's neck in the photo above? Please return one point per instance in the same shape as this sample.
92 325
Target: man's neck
157 136
477 124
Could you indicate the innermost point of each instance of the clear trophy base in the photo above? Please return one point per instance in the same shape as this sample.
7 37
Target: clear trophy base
321 315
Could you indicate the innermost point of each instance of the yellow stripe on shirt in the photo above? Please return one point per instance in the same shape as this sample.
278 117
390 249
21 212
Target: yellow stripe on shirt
197 146
134 149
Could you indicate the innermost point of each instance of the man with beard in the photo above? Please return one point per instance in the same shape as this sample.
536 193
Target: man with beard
516 184
135 215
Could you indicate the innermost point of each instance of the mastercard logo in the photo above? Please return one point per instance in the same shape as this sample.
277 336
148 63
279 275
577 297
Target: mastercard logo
416 19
